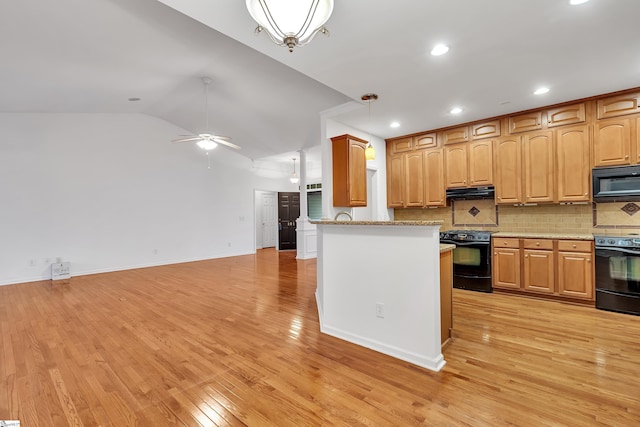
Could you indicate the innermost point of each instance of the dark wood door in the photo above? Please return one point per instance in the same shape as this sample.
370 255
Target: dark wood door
288 213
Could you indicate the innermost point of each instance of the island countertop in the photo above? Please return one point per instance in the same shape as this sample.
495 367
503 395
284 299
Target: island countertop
356 222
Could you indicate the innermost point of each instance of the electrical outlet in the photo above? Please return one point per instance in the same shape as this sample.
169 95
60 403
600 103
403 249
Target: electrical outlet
379 309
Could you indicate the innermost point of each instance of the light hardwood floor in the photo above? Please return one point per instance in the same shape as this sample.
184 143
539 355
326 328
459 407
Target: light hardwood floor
236 341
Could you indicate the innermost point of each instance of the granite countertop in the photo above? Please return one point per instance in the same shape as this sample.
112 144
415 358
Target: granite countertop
333 222
445 247
523 235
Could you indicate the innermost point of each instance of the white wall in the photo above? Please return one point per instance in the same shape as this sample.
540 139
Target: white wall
106 192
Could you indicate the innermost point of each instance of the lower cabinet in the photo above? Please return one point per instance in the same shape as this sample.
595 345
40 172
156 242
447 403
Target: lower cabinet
559 268
446 285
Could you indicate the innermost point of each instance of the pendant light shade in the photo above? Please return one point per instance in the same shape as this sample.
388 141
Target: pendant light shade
291 23
369 152
294 178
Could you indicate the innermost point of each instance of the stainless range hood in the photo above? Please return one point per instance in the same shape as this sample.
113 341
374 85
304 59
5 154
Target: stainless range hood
470 193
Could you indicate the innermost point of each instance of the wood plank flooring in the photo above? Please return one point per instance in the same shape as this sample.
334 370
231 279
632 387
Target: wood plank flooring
236 341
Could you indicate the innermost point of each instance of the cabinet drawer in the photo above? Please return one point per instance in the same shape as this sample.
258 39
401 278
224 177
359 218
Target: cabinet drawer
574 246
499 242
566 115
538 244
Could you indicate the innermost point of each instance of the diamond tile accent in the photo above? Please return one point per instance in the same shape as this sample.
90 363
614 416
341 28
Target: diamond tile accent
475 211
630 209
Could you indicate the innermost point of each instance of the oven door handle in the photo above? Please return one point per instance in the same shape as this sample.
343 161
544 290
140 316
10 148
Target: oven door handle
465 243
623 250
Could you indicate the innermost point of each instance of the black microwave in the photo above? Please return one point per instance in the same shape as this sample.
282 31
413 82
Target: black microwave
617 184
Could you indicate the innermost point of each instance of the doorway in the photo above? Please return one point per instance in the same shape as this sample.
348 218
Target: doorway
266 219
288 213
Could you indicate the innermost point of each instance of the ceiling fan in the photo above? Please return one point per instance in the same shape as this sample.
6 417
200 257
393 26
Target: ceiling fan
206 140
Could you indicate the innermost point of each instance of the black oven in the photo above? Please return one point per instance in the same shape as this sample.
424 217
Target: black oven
617 272
471 259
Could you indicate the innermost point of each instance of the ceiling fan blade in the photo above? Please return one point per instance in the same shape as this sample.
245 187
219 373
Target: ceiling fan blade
227 143
191 138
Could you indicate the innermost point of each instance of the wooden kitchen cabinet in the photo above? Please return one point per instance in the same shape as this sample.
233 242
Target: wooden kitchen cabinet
470 164
395 180
558 268
525 122
414 179
349 171
455 161
486 130
573 164
401 145
566 115
446 300
539 168
434 185
612 142
428 140
575 269
455 135
506 264
538 266
618 105
508 170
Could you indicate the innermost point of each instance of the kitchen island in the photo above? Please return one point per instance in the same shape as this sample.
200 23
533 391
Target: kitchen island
379 287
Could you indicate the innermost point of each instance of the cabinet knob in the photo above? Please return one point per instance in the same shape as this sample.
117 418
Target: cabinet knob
505 243
626 156
574 246
526 256
537 243
499 198
586 194
588 259
495 253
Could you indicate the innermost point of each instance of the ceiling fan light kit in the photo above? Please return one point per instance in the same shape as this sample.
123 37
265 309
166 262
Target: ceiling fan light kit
208 141
291 23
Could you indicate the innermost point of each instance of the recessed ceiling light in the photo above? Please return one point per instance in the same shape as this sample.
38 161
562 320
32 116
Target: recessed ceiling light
395 125
541 91
456 110
134 99
576 2
439 49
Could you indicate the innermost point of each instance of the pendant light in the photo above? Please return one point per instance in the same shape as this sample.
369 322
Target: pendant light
294 178
291 23
369 152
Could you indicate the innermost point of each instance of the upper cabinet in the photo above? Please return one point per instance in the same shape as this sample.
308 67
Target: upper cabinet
486 130
455 135
349 171
525 122
566 115
539 168
456 165
401 145
415 179
612 142
508 170
434 185
618 105
395 180
427 140
573 165
469 165
460 134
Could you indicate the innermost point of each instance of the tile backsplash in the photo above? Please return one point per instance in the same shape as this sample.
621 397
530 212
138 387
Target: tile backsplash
599 219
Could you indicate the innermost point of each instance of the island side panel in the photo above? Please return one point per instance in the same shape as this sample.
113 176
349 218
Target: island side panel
361 266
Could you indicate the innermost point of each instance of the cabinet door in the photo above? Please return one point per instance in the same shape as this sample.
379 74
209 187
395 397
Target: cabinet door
485 130
508 170
525 122
414 179
538 271
357 173
455 159
395 181
434 185
456 135
638 140
506 268
538 167
401 145
481 163
425 141
619 105
566 115
612 142
573 164
575 275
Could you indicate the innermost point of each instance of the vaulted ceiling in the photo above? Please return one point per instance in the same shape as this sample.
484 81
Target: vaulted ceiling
87 56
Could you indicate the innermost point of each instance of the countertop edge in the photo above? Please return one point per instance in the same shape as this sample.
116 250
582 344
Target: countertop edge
446 247
384 223
561 236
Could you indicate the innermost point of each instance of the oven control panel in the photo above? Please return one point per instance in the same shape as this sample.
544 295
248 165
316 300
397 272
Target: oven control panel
617 242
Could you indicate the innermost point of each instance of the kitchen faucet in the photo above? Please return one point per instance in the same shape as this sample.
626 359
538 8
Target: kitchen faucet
343 213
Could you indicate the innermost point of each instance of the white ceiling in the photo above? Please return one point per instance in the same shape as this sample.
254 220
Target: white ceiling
92 55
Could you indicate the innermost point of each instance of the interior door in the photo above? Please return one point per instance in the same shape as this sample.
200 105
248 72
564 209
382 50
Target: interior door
269 220
288 213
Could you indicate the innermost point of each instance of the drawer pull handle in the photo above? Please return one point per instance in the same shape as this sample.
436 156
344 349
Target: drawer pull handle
574 246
